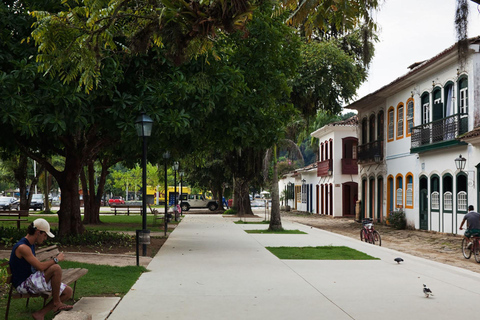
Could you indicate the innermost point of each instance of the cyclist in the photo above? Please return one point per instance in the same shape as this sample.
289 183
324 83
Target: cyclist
473 224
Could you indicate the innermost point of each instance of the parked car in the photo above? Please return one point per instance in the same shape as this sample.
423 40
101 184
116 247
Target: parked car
9 203
196 201
37 202
116 200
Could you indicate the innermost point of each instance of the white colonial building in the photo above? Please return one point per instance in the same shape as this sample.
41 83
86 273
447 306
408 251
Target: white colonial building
410 133
328 186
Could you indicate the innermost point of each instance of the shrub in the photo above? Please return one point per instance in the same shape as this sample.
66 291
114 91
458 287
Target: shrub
397 220
11 235
231 211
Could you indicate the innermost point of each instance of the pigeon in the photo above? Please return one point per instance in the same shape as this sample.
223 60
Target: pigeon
398 260
427 291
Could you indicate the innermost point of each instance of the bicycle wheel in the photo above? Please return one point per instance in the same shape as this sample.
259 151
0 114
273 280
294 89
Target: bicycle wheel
363 235
467 253
376 238
476 250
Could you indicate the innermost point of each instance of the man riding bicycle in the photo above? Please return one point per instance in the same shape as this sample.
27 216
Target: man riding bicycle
473 223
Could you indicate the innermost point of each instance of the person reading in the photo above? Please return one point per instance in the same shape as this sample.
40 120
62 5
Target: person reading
30 275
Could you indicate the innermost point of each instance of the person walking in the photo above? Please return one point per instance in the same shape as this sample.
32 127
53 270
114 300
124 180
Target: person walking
473 223
30 275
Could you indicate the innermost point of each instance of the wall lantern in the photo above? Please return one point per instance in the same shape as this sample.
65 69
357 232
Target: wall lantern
460 163
376 157
329 172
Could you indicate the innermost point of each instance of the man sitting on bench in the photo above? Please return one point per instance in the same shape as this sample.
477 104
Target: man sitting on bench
29 275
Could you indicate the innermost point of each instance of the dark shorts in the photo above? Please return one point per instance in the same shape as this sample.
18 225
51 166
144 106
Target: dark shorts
472 232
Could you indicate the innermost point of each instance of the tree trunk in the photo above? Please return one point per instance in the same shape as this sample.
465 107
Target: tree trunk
69 215
242 201
275 219
20 173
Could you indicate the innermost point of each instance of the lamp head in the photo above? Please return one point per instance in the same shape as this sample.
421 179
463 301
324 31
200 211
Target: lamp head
144 125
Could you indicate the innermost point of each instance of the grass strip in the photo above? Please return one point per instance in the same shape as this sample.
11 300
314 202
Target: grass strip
100 281
251 222
276 231
320 253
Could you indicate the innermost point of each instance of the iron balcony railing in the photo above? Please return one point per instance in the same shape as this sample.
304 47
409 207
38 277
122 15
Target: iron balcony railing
370 151
445 129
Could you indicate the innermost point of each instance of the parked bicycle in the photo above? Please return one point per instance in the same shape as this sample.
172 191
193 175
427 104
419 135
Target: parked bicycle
474 248
369 234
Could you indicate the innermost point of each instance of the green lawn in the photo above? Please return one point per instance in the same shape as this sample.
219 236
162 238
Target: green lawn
251 222
109 223
320 253
99 281
276 232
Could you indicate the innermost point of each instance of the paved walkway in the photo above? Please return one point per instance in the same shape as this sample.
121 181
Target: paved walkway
209 268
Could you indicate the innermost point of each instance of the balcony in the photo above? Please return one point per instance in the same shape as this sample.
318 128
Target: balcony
438 134
367 152
349 166
323 167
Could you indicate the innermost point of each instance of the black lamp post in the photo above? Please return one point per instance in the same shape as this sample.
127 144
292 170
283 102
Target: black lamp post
181 174
166 156
460 163
144 129
175 169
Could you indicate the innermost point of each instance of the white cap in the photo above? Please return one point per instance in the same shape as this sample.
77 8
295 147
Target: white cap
43 225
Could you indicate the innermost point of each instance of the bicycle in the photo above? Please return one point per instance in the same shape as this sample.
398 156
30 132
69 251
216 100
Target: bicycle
369 234
474 248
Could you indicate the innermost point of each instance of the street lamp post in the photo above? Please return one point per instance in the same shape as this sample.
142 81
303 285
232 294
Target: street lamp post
144 129
181 174
175 169
166 156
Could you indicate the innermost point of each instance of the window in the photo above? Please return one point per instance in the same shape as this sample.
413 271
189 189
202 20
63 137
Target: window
463 95
448 201
364 131
372 128
380 124
462 201
435 200
390 124
399 193
447 189
409 117
400 121
425 108
409 191
304 193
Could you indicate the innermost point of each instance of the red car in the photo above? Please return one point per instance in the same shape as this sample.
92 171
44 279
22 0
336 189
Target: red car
116 200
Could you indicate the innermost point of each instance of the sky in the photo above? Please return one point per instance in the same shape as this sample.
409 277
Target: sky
412 31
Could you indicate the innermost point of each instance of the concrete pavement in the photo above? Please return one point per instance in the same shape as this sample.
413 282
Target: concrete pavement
210 268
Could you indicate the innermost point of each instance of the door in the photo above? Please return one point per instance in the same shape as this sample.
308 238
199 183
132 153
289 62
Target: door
423 209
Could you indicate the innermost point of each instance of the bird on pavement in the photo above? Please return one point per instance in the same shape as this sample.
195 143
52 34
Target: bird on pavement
398 260
427 291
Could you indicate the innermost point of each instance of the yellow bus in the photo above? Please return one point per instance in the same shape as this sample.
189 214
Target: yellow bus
152 194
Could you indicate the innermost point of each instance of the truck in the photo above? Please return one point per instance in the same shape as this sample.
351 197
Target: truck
188 201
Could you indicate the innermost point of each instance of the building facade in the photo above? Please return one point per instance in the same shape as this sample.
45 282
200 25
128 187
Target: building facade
330 185
410 133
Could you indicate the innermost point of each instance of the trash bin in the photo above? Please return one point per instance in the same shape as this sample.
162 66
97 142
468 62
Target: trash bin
230 203
358 209
143 236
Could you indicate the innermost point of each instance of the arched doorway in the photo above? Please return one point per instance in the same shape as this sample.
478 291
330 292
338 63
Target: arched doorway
350 196
423 205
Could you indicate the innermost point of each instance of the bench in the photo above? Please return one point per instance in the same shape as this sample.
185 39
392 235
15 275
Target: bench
156 214
69 276
125 209
14 215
